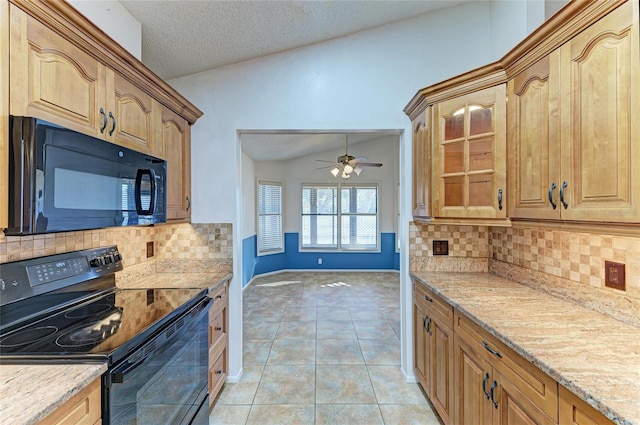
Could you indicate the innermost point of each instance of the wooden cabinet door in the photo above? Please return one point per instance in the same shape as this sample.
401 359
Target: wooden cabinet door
129 108
421 164
175 136
534 141
512 407
52 79
441 370
472 380
469 155
600 91
574 411
421 347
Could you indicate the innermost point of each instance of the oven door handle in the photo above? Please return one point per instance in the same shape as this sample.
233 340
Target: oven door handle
165 336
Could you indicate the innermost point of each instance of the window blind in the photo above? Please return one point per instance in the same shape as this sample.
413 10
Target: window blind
270 237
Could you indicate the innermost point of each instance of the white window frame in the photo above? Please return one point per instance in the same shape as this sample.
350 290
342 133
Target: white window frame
339 214
280 248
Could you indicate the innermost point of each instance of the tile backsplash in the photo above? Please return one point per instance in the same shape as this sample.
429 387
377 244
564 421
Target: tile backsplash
574 256
177 241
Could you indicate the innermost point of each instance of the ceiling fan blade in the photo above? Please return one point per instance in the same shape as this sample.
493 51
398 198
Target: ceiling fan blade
328 166
358 160
324 160
369 164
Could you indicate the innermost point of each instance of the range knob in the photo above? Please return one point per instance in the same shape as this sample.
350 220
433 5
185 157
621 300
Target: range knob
117 257
108 259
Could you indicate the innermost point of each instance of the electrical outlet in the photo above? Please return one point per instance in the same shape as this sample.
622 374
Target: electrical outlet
440 247
320 260
149 249
614 275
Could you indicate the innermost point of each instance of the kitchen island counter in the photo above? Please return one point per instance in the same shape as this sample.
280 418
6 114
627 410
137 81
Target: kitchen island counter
32 392
591 354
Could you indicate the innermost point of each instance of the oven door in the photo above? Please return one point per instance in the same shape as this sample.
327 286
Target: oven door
165 380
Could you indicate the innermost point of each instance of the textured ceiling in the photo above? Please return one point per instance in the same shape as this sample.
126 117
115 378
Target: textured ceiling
184 37
289 145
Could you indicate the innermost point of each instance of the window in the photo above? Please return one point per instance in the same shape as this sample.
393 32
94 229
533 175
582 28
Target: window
348 221
270 238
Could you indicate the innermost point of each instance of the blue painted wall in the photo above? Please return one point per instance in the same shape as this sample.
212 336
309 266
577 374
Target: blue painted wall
292 258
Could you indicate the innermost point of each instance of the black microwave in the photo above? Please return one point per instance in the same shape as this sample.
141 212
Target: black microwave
61 180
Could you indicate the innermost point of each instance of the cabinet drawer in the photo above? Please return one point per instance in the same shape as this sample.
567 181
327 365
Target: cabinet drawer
219 296
534 384
217 376
217 327
433 305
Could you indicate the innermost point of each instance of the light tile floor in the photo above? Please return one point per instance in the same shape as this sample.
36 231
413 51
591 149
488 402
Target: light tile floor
322 348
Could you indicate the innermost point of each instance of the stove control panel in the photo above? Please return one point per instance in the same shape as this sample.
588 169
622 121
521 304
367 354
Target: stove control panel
20 280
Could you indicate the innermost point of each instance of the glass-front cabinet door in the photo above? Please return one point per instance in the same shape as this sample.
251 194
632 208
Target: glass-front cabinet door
469 158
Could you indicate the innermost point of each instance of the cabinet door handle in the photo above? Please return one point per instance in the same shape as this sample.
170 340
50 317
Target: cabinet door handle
427 298
484 382
219 371
492 392
188 203
500 199
551 189
562 188
104 120
429 326
113 123
218 328
489 349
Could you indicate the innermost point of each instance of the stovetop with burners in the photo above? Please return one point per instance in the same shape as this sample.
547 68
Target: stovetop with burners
85 316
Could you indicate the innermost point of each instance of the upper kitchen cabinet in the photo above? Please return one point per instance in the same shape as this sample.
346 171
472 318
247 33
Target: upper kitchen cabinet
459 149
599 98
534 140
54 80
469 155
176 140
571 140
421 160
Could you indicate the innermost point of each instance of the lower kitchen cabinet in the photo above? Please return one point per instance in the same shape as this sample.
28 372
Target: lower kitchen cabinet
218 339
433 354
83 408
471 377
574 411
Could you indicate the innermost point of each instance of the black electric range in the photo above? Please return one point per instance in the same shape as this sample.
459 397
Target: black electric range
66 308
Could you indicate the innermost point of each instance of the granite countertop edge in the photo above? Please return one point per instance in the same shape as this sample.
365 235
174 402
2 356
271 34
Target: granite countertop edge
583 393
15 407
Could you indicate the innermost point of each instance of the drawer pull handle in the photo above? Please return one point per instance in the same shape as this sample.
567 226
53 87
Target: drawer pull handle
489 349
492 392
484 382
551 189
218 328
219 372
427 298
219 296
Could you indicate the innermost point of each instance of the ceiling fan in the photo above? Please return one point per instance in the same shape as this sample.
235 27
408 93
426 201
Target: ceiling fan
348 164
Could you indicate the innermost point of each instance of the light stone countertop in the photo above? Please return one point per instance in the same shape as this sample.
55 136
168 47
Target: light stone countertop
32 392
591 354
202 280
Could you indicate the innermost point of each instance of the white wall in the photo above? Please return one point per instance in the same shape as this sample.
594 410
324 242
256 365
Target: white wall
248 197
362 81
116 21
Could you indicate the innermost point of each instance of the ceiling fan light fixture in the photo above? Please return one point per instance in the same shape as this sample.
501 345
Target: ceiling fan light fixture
357 170
345 175
335 171
348 168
